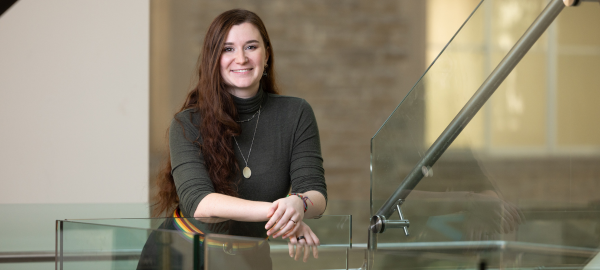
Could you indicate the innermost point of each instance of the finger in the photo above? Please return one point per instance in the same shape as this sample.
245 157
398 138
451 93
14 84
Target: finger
497 221
292 232
510 218
514 214
501 223
299 248
272 209
274 216
310 241
517 214
277 223
507 213
291 248
315 238
297 226
286 227
272 230
307 245
306 253
285 230
282 221
507 222
295 246
506 225
512 209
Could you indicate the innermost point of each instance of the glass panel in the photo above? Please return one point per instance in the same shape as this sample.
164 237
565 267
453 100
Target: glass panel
234 252
27 241
407 133
154 243
516 189
493 254
95 246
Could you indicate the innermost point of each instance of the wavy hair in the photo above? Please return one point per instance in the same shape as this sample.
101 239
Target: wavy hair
217 109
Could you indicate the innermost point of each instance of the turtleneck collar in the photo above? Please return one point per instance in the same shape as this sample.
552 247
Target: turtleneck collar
249 105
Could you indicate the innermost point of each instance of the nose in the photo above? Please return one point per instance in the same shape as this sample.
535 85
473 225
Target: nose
240 57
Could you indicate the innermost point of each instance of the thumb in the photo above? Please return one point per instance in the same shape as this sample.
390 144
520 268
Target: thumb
272 209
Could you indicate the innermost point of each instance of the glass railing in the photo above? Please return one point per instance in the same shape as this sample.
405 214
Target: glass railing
27 238
169 243
518 187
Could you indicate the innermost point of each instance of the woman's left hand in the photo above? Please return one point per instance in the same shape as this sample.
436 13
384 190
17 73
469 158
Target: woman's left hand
285 214
303 240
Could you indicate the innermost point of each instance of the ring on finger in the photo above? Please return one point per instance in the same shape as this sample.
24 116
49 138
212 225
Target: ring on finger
292 221
300 237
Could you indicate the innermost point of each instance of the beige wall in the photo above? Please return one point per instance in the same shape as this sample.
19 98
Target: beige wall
74 102
544 105
578 77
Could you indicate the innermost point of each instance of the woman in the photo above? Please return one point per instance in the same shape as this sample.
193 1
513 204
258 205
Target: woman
237 147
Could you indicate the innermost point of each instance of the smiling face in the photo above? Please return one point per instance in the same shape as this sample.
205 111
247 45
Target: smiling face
243 60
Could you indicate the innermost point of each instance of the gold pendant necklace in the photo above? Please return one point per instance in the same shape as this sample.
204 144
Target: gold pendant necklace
247 172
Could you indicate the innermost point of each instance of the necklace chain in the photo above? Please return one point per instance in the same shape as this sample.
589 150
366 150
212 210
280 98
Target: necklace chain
255 128
242 121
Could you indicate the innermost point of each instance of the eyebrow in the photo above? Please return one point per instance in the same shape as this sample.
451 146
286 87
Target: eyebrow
247 42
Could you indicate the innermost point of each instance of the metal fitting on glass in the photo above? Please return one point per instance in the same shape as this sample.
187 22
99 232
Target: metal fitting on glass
379 223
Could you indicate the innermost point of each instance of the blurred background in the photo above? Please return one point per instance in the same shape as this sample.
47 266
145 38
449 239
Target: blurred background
353 61
88 89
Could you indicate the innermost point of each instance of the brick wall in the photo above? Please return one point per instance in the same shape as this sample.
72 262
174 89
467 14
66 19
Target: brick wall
353 61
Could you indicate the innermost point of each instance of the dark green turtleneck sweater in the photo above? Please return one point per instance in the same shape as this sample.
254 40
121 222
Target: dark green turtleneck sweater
286 152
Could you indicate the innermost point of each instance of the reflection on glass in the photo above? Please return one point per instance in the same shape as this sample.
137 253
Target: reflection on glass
182 243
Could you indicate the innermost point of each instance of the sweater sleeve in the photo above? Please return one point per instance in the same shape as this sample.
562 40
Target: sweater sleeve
191 177
306 168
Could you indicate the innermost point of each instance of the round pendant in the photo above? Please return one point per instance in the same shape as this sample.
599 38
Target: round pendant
247 172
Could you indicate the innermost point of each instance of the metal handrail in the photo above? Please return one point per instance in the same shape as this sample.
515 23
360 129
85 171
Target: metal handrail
126 254
492 245
29 256
50 256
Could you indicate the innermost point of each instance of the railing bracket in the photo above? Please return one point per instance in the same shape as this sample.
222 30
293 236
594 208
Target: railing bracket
379 223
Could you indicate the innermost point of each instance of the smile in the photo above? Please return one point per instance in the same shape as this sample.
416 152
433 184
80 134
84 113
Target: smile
241 70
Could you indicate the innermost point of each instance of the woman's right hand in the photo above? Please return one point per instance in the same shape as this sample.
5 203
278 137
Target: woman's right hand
284 216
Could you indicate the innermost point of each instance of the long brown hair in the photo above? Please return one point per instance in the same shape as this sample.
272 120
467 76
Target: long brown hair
215 104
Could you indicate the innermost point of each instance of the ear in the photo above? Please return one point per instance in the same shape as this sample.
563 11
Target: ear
267 55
